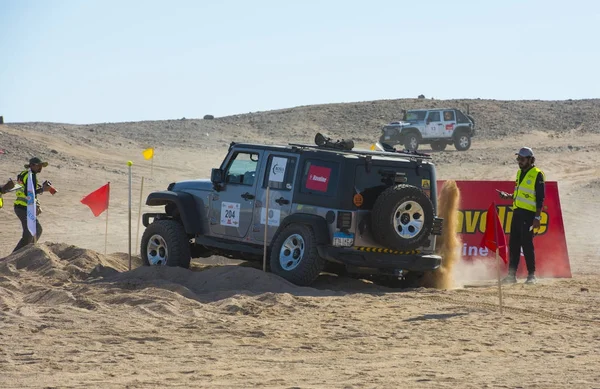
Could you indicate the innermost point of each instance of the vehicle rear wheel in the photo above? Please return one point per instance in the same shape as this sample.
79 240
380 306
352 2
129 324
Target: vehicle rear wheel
438 146
165 243
462 141
411 141
402 217
294 255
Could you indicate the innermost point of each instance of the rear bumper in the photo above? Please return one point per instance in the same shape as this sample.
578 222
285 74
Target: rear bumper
354 257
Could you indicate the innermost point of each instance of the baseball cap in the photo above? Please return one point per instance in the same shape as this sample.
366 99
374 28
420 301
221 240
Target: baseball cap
36 161
525 152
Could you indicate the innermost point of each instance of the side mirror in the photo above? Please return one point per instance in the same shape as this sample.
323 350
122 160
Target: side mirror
216 176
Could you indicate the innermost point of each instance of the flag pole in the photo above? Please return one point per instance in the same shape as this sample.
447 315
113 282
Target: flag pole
106 232
31 207
266 230
129 163
106 229
499 281
137 234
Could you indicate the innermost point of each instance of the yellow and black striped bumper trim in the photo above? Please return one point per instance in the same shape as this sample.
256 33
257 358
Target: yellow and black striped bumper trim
385 251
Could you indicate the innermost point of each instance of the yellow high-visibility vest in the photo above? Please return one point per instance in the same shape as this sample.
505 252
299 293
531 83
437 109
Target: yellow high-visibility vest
22 191
524 196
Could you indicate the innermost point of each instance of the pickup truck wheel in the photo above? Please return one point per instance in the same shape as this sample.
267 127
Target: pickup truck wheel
411 141
438 146
462 141
402 217
294 255
165 243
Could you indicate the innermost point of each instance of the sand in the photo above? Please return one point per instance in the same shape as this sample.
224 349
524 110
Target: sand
72 317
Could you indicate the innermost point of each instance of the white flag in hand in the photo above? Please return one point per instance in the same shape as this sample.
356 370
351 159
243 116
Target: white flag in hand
31 205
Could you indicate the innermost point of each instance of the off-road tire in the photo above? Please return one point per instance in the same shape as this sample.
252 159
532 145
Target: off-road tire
176 240
384 213
410 140
309 266
438 146
462 141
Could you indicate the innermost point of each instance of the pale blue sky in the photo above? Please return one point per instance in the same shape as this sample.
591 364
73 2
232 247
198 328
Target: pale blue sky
91 61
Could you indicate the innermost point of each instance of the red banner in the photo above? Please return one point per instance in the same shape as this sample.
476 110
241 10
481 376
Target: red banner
551 256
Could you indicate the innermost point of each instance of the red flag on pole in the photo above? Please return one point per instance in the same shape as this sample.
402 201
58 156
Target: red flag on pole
98 199
494 236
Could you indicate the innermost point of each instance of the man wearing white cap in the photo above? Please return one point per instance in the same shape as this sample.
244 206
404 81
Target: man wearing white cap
528 199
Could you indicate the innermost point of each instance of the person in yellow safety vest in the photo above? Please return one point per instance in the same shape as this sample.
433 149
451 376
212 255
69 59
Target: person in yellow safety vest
35 165
4 189
528 199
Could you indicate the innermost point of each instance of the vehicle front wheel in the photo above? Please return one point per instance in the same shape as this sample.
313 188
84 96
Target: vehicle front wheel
294 255
165 243
411 141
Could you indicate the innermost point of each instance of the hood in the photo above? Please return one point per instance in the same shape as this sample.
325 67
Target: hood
201 184
400 123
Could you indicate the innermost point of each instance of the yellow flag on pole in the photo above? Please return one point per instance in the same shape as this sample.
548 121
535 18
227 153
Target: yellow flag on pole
148 153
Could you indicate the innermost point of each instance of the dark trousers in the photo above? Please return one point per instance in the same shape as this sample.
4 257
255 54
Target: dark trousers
521 237
26 238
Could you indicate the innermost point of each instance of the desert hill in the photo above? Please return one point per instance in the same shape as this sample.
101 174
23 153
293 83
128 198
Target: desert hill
71 315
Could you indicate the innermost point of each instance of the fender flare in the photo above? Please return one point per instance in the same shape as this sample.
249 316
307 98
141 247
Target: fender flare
186 204
317 223
459 130
411 130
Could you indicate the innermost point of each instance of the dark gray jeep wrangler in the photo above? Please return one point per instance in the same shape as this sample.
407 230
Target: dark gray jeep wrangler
330 206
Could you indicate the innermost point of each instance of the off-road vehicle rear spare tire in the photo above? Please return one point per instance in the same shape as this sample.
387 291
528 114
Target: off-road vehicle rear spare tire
402 217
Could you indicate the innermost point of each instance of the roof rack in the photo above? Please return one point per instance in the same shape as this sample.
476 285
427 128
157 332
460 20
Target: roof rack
394 153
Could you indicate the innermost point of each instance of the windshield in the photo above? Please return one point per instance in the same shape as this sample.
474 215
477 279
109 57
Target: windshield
415 115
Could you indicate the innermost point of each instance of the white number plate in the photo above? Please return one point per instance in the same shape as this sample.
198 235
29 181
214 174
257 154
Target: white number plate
341 239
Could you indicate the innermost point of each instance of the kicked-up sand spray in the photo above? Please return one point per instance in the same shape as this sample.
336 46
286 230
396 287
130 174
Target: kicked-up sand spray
448 245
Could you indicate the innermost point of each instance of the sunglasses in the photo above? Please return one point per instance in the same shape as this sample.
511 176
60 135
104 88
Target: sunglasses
519 158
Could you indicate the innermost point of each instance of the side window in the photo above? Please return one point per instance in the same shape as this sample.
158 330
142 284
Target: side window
319 177
448 116
242 169
461 117
280 172
434 116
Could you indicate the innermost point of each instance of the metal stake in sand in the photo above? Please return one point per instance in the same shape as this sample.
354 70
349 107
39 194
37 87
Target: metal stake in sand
106 229
266 230
137 234
499 281
129 163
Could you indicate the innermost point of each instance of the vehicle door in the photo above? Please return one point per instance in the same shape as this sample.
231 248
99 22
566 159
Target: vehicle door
433 125
278 176
231 208
449 120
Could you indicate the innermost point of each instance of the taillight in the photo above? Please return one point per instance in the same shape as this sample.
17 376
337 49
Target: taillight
344 220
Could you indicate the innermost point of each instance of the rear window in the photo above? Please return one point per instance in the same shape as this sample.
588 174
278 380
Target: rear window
380 177
280 172
319 177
